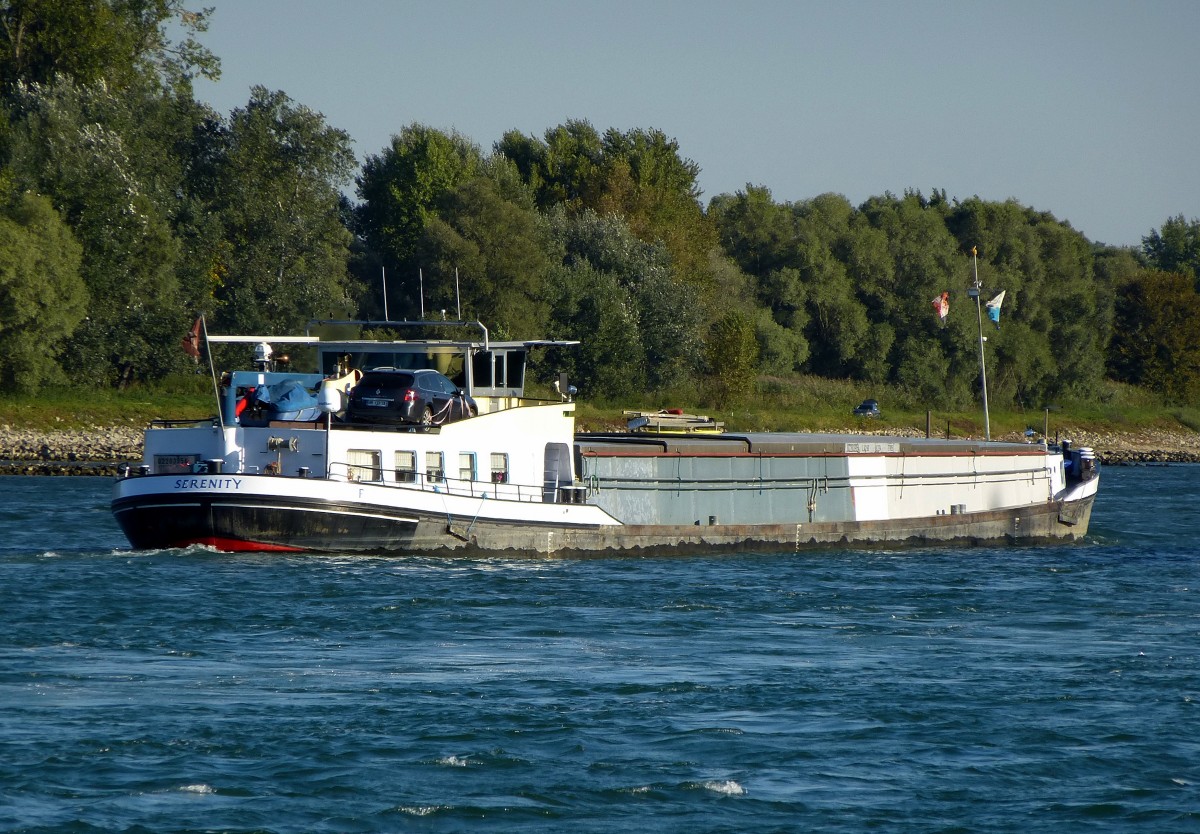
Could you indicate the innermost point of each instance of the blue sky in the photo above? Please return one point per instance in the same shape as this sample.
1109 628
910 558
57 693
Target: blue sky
1088 109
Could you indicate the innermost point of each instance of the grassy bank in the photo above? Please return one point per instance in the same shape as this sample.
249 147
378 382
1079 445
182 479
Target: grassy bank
791 404
71 408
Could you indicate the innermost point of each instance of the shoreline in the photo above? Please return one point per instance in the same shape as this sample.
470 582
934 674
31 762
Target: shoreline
102 450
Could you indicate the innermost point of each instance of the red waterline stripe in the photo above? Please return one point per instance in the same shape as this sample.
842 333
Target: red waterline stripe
239 546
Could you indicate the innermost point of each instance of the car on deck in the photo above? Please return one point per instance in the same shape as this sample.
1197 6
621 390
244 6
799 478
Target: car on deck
419 397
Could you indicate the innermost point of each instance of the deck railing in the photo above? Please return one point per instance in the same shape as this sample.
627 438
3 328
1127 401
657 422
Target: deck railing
435 482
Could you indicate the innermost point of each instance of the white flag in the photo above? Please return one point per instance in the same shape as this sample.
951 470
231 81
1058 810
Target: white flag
993 308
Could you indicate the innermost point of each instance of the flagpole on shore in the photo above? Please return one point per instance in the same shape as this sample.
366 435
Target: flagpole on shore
975 290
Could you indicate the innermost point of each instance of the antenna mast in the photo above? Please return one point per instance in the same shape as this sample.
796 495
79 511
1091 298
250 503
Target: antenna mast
974 291
383 272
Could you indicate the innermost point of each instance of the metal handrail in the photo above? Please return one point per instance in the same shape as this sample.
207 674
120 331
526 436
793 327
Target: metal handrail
389 323
422 482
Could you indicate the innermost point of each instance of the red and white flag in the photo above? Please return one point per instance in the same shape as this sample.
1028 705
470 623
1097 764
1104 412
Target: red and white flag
941 306
191 342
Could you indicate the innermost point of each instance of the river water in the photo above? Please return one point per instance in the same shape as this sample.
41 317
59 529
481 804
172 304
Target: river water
1049 689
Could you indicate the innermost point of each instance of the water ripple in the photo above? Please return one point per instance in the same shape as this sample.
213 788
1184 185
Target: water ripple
996 689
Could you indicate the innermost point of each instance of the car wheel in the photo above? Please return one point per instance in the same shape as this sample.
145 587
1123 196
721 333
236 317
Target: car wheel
427 417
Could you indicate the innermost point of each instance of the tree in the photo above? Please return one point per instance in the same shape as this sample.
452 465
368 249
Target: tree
638 175
647 181
402 188
1058 314
924 370
591 305
1156 338
664 308
926 259
88 41
783 321
1176 248
781 350
42 297
755 231
497 250
732 350
871 268
284 250
761 237
69 142
101 121
1081 318
565 169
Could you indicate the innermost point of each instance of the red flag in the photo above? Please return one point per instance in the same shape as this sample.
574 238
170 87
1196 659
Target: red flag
191 342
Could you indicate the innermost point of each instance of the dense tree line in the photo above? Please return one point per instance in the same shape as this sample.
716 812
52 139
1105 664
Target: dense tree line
127 207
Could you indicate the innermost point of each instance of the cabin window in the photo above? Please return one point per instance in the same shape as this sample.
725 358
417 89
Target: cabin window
435 469
406 467
515 377
481 370
466 466
364 465
499 468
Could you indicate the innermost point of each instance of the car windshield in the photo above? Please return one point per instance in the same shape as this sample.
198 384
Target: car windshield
389 382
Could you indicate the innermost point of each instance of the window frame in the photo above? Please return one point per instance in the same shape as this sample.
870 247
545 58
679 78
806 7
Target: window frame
405 475
355 467
499 475
435 467
466 473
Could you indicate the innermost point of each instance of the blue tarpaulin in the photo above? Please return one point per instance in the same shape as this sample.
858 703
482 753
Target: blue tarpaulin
288 400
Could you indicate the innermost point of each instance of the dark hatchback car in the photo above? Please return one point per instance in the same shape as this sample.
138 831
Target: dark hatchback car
868 408
424 397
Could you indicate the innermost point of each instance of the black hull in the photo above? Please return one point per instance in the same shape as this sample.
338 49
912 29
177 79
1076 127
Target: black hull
256 524
247 523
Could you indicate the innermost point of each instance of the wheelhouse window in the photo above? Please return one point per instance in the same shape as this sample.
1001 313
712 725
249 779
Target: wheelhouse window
499 468
364 465
466 466
499 373
406 467
516 369
481 369
435 468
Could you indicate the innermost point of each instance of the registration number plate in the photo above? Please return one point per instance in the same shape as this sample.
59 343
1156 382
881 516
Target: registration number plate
375 402
166 464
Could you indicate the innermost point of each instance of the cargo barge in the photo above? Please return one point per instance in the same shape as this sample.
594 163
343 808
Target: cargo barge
486 470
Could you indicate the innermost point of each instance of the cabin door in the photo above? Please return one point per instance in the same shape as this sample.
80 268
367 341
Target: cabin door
557 471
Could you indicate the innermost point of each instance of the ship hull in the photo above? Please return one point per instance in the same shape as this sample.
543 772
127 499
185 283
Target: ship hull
330 523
